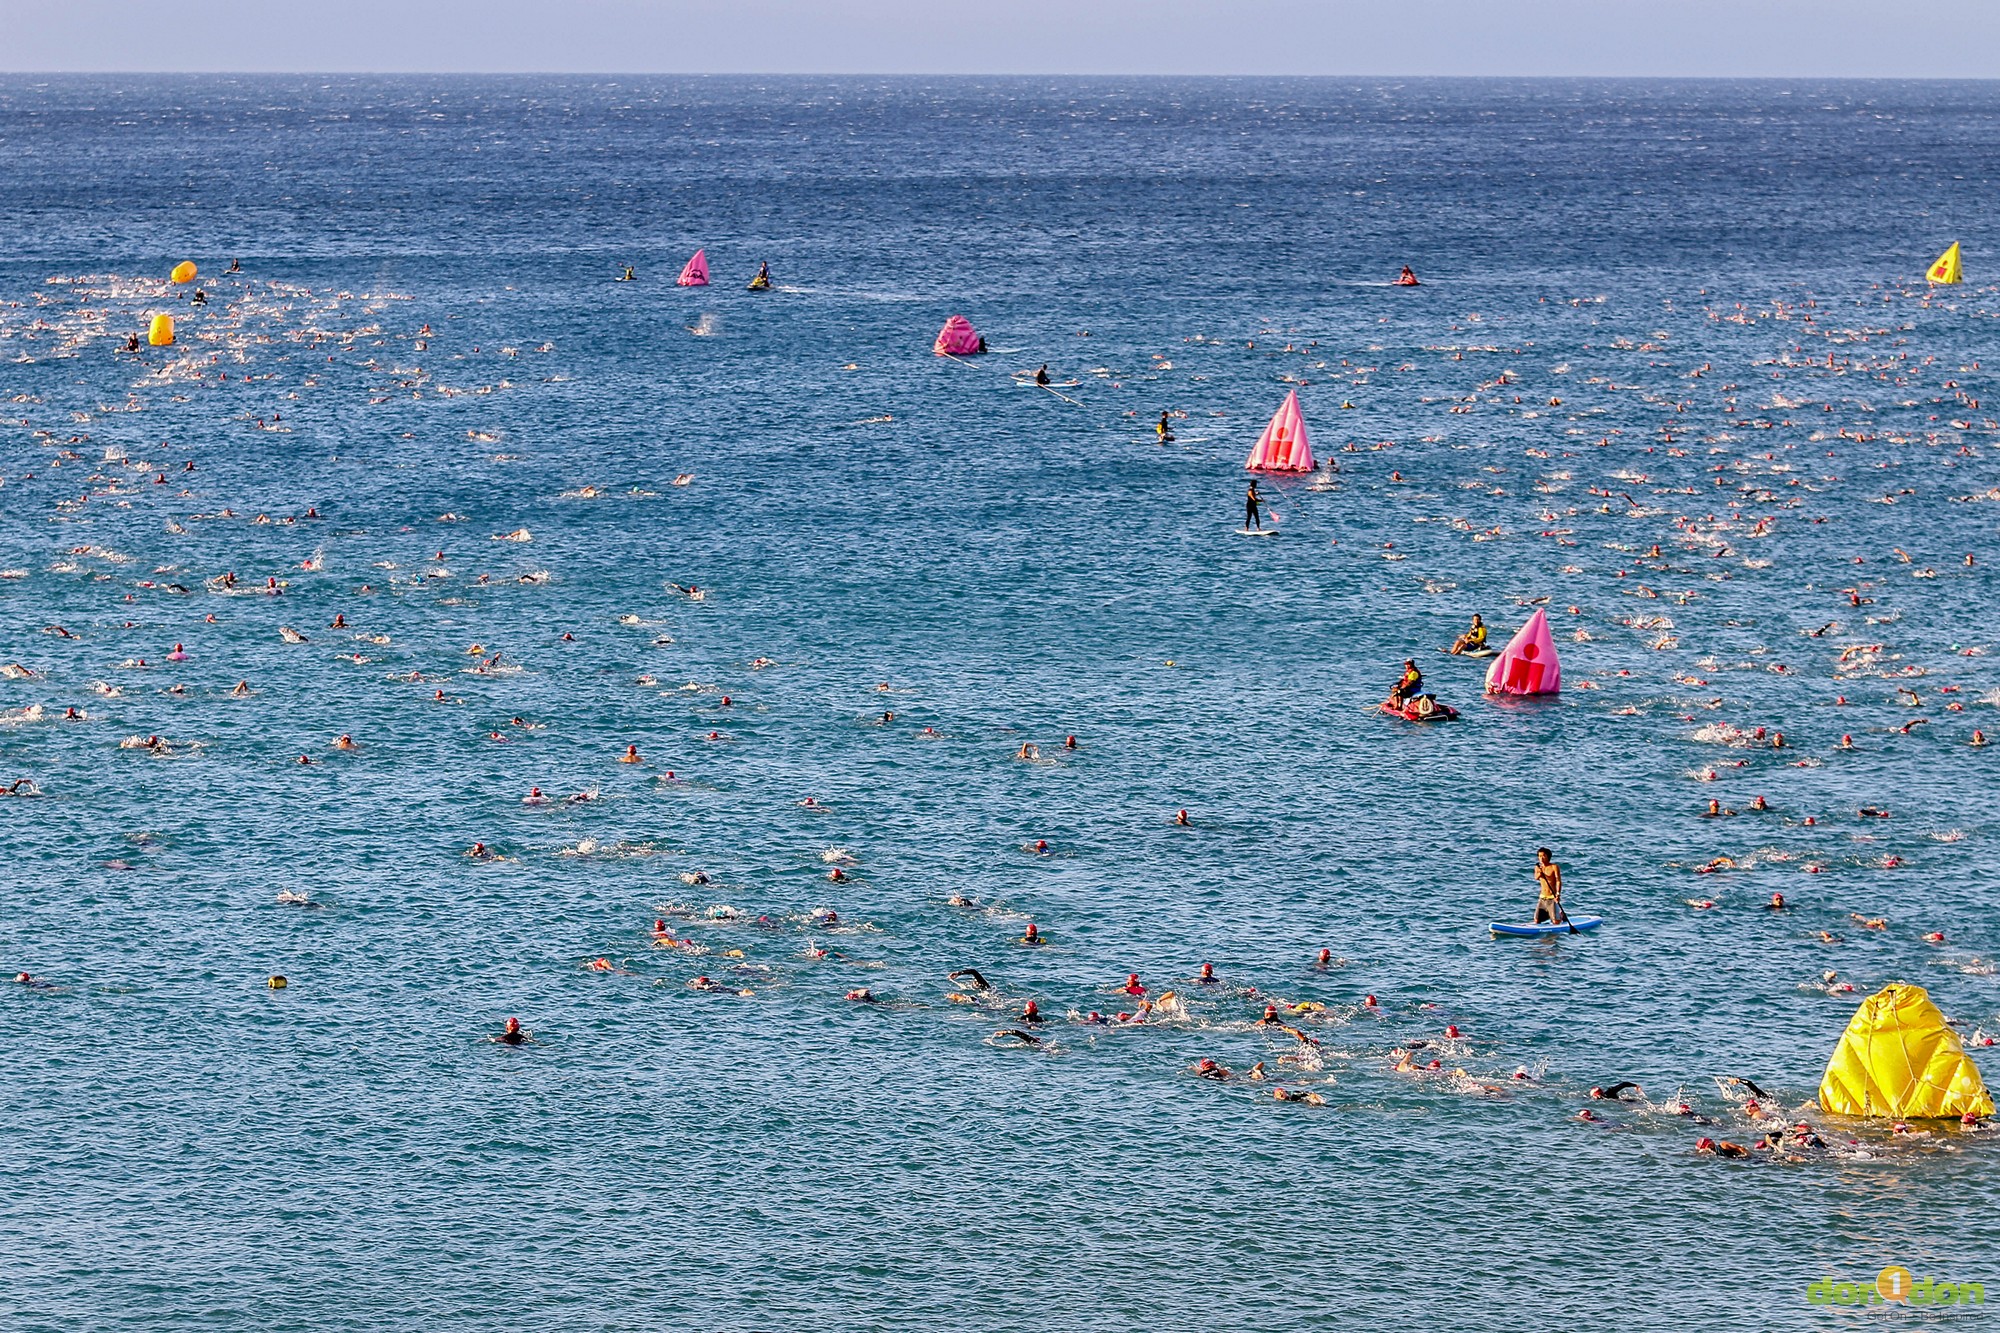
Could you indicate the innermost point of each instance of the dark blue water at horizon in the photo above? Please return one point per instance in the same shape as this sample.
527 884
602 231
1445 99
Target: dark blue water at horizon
1683 314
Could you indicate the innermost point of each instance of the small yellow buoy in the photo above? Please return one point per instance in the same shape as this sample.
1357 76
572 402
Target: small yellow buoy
277 983
161 333
184 271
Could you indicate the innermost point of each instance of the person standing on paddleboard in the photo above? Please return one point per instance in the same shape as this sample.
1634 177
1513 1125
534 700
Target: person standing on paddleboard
1250 503
1549 879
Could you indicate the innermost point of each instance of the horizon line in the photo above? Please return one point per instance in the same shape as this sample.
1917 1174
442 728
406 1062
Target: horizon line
990 74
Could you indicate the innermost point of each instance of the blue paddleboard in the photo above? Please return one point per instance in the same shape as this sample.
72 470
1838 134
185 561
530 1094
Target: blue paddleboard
1580 922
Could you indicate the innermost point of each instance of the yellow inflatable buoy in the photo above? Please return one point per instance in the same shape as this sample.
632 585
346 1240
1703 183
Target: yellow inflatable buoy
1898 1058
184 271
1947 268
161 333
277 983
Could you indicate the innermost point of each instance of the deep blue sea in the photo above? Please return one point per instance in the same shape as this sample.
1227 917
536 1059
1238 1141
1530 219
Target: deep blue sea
1673 372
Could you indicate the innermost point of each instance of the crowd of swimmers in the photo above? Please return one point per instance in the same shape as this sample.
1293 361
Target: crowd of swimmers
1029 1025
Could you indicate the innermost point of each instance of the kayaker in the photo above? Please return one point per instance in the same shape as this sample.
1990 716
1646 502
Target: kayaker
1473 639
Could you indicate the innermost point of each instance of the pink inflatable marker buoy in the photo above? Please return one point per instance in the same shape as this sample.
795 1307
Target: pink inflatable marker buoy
1283 447
1528 664
958 338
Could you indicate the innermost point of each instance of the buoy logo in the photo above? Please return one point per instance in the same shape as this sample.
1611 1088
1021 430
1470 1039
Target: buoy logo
1893 1283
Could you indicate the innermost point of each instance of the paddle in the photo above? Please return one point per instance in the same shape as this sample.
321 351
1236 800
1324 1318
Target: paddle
1562 917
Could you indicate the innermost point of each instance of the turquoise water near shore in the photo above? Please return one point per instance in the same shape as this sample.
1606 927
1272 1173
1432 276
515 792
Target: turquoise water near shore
1632 292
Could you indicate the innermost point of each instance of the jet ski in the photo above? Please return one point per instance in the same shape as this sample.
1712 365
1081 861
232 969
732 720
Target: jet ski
1420 708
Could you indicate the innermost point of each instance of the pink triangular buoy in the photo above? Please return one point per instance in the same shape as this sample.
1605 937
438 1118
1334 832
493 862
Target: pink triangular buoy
958 338
1527 665
696 272
1283 446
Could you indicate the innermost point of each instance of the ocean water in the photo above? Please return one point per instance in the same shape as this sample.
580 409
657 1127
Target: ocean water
1682 315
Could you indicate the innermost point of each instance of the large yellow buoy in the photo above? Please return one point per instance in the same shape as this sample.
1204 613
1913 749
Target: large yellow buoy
1948 267
184 271
1898 1058
161 334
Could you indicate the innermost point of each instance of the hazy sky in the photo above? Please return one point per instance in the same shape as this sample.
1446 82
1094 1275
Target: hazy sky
1944 38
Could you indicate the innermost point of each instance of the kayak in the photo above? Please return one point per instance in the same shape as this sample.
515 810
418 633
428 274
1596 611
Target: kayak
1423 708
1580 922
